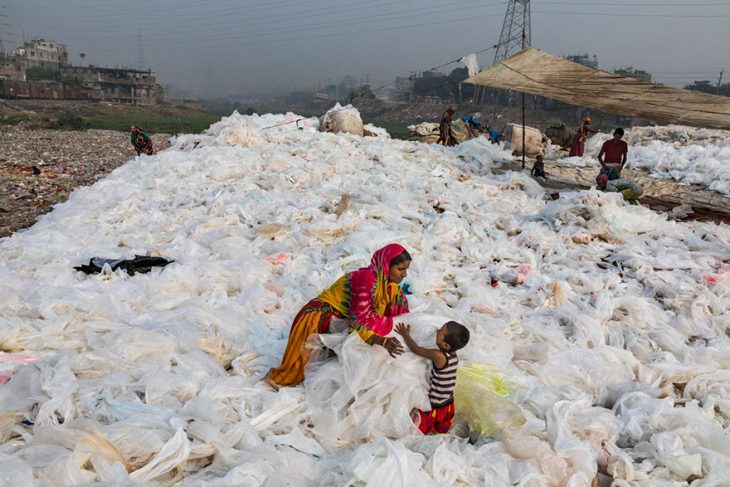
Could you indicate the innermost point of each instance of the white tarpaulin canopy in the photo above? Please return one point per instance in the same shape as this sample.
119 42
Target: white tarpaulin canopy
535 72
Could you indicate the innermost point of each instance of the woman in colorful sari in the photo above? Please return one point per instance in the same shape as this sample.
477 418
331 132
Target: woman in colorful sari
579 139
368 298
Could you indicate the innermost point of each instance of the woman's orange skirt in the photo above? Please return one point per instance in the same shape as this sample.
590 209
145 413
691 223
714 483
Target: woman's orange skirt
314 317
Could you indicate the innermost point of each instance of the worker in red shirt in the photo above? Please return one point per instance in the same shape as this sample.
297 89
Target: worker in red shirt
580 137
613 155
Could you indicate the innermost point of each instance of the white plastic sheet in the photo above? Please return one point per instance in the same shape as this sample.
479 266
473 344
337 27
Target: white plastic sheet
612 318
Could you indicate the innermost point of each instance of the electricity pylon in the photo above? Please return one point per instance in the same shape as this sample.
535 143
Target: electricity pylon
515 30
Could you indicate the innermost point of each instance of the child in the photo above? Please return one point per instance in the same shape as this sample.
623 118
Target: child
451 337
538 169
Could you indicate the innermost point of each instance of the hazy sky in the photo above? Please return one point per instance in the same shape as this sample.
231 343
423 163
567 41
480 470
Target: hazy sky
240 46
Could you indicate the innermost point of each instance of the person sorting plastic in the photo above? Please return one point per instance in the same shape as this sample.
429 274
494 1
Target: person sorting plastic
494 135
369 298
613 154
631 191
473 125
450 338
141 141
446 136
579 139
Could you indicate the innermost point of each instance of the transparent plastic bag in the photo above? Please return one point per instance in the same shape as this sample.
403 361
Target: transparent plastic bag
482 399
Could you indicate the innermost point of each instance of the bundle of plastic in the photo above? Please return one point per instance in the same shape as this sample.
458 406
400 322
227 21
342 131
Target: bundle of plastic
423 129
615 331
534 141
370 130
339 119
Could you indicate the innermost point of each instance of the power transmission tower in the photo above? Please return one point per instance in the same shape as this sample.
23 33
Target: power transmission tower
140 51
3 16
515 34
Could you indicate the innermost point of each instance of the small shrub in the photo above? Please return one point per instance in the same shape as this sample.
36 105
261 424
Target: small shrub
69 121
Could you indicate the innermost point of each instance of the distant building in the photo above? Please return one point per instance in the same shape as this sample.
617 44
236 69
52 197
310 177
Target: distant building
41 53
12 70
40 69
401 90
583 59
112 84
431 74
632 72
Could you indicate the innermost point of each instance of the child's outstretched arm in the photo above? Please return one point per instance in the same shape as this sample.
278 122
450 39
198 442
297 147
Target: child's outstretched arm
434 355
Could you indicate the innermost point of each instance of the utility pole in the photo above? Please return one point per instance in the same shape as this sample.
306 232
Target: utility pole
719 80
524 133
3 16
412 86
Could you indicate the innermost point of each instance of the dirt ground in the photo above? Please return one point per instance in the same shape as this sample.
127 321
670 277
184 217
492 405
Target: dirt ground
39 168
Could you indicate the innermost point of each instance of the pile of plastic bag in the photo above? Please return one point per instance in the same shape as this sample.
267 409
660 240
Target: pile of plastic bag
611 349
684 154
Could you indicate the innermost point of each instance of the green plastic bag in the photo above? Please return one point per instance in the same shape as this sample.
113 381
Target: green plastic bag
482 398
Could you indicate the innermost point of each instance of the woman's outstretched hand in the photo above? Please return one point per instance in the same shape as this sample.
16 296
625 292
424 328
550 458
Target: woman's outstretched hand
393 346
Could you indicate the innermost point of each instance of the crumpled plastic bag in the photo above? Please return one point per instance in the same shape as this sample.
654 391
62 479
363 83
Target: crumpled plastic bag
364 393
482 399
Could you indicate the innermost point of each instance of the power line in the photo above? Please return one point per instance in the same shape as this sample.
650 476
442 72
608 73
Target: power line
79 14
690 77
227 14
257 33
227 40
608 14
311 13
308 13
615 4
684 72
88 12
197 20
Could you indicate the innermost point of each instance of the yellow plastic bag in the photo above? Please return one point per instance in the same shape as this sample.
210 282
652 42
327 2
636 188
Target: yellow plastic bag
482 399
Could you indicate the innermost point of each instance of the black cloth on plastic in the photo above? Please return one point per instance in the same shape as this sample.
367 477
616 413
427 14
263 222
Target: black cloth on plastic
140 264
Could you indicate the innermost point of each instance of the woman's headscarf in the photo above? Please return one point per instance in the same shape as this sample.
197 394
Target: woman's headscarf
380 264
366 296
